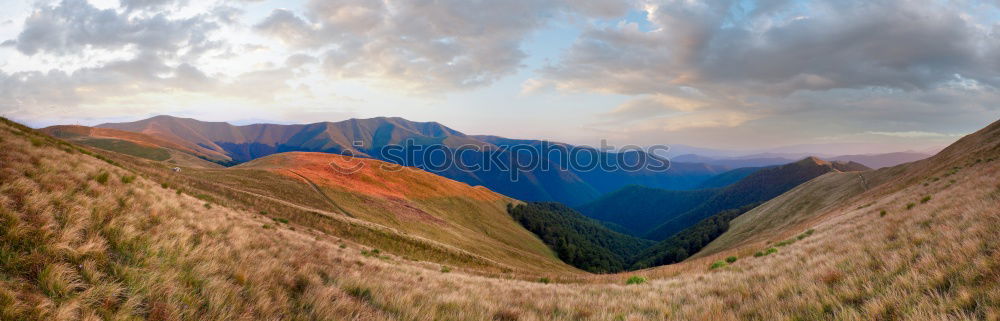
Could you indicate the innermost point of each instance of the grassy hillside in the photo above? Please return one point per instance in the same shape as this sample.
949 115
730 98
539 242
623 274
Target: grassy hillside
791 209
808 202
133 144
578 240
412 201
877 161
78 244
760 186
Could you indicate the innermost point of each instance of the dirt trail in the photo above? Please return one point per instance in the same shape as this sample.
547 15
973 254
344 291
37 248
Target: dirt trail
318 190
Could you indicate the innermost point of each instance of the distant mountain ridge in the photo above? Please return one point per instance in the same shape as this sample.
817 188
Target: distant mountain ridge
874 161
229 144
657 214
758 187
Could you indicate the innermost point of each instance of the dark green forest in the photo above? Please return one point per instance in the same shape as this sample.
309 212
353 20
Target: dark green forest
587 244
578 240
682 245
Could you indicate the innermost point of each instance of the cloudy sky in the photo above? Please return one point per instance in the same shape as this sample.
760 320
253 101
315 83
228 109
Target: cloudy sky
875 75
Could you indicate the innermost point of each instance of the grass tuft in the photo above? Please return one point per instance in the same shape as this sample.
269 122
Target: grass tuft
635 279
102 178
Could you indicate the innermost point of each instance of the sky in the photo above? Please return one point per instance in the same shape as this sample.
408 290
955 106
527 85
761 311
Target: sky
848 76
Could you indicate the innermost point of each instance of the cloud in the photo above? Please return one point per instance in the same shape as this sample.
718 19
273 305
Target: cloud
838 44
423 45
914 134
863 63
145 73
285 26
74 25
130 5
651 106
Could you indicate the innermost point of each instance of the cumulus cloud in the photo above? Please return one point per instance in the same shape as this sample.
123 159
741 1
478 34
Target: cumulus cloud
145 73
153 52
73 25
779 49
425 45
149 4
870 63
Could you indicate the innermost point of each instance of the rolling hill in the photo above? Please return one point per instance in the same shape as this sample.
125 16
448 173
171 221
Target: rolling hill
657 214
827 194
134 144
549 181
87 234
757 187
877 161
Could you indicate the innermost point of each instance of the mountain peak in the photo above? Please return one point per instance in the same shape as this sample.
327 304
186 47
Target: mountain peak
813 160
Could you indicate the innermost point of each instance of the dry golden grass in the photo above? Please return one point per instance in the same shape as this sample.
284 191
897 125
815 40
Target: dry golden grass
74 248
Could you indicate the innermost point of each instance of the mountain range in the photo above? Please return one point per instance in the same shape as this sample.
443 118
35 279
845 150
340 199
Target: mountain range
657 214
875 161
229 145
87 232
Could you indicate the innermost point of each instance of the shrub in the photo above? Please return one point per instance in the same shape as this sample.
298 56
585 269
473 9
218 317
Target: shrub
164 185
445 269
731 259
910 206
285 221
759 254
102 178
925 199
343 246
785 242
771 250
717 264
360 293
882 213
544 280
128 179
635 279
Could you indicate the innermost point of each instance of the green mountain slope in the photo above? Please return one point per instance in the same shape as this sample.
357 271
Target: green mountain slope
640 209
576 239
688 241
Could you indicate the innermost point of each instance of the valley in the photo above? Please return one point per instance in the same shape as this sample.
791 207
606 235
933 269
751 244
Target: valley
97 219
